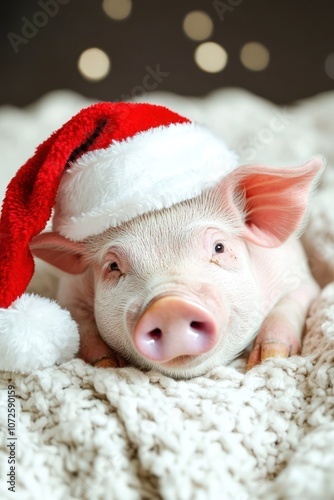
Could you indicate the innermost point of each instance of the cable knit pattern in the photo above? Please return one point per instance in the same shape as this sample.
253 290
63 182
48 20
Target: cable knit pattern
88 433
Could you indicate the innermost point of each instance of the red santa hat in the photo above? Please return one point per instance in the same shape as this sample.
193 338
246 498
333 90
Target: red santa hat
108 164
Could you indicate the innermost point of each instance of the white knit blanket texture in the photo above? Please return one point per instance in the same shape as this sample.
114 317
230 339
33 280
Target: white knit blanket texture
123 434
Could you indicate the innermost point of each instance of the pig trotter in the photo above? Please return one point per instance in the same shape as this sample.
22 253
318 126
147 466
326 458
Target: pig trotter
281 331
274 349
93 349
109 362
268 349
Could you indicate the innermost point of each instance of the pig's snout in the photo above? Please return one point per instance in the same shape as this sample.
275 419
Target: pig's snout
172 326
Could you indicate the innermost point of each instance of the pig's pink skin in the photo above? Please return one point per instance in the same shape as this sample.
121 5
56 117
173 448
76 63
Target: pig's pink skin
280 332
173 251
235 282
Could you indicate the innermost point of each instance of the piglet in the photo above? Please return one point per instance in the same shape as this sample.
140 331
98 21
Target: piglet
187 288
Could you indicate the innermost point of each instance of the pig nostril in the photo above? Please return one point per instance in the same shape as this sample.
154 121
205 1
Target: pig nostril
197 325
155 334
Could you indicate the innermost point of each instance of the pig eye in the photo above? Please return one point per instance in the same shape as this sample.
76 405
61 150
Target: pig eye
113 266
219 248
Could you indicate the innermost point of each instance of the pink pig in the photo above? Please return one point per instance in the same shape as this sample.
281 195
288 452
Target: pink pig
187 288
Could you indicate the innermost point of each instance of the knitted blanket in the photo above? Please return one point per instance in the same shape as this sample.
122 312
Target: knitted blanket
90 433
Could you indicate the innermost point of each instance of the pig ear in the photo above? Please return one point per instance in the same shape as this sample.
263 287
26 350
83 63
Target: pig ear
277 200
60 252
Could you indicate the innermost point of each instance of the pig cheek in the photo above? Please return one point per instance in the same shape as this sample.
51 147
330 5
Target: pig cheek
116 308
109 314
241 301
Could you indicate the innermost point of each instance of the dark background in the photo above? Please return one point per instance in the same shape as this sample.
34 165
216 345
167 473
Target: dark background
298 33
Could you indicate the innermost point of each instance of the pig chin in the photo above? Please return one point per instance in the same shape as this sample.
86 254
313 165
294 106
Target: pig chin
184 367
189 366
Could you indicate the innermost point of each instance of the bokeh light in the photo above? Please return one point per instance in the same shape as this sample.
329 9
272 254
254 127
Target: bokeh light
198 25
94 64
117 9
211 57
329 65
255 56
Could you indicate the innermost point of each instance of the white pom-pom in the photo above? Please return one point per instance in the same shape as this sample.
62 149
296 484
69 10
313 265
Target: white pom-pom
36 332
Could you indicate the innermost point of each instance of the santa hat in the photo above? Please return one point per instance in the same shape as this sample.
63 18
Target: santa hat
108 164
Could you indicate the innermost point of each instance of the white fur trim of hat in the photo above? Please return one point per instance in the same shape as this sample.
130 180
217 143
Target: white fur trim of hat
151 170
